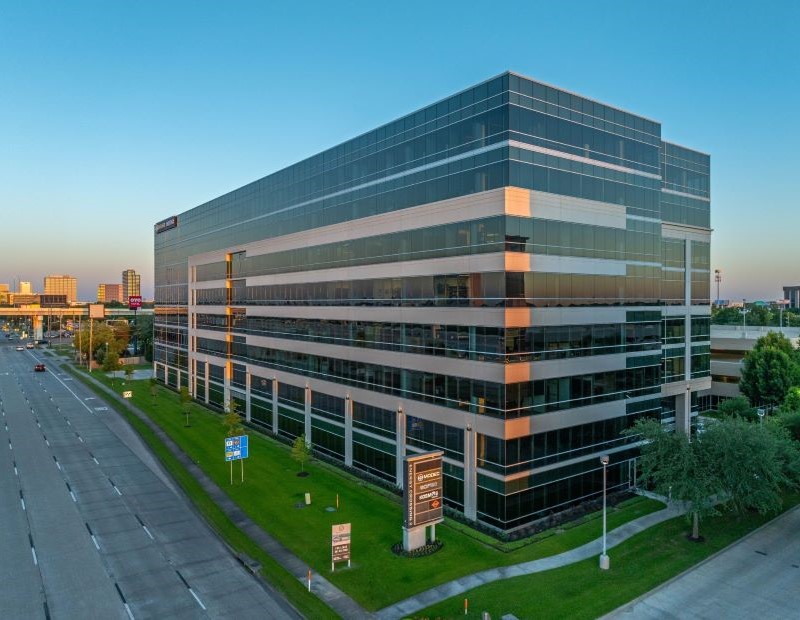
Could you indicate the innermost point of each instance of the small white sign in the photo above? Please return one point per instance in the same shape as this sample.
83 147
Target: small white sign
127 394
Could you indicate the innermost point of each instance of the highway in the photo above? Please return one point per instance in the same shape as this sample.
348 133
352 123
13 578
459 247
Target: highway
90 526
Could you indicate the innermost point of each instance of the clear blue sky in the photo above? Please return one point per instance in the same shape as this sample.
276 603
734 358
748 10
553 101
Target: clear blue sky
114 115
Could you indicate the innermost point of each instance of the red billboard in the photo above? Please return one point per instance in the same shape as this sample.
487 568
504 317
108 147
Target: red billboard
134 302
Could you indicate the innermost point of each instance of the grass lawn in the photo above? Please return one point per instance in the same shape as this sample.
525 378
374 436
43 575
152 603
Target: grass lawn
272 490
582 590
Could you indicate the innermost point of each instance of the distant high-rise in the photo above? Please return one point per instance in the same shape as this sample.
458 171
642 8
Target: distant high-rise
25 288
61 285
4 293
131 284
109 292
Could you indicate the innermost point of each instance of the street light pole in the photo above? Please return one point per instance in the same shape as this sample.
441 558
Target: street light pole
744 312
604 559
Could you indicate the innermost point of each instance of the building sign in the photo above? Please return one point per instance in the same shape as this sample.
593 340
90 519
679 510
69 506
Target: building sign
170 222
97 311
422 489
340 542
134 302
236 448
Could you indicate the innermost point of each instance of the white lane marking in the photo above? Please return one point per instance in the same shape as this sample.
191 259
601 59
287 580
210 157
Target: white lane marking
78 398
95 461
118 491
59 466
197 598
35 560
72 495
94 540
130 613
22 501
146 531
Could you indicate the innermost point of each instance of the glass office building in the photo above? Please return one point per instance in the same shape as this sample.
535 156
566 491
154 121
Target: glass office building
513 275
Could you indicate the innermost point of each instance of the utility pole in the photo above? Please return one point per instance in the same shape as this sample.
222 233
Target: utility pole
717 279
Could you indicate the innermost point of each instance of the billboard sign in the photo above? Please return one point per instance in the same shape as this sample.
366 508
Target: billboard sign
170 222
340 542
236 448
134 302
422 489
97 311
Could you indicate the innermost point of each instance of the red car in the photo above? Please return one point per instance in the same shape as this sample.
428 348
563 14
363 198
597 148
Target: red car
39 368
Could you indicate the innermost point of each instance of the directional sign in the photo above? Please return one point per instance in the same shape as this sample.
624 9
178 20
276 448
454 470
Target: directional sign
236 448
340 542
127 394
422 489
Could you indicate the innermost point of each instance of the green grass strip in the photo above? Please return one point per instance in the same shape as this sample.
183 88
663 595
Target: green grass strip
582 590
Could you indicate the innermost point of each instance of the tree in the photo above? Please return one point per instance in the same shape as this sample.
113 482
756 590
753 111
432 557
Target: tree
677 468
128 372
301 451
111 362
767 375
752 463
186 400
153 389
144 335
232 420
737 407
775 340
734 465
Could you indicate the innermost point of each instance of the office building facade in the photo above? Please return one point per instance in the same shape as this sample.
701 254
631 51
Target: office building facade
62 285
131 284
513 275
107 293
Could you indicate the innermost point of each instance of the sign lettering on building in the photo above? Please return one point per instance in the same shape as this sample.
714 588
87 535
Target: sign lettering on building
170 222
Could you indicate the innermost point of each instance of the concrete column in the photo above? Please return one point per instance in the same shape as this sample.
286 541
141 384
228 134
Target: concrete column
38 327
400 449
683 417
207 373
470 473
308 415
683 412
348 431
275 405
226 391
247 381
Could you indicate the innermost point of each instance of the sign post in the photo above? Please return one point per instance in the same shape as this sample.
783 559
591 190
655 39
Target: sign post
340 544
236 449
422 497
134 303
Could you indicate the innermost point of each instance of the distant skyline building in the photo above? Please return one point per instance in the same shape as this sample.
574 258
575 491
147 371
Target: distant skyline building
131 284
62 285
513 275
25 288
4 294
107 293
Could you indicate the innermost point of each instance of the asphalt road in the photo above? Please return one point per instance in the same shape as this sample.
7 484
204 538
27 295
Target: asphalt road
90 526
758 577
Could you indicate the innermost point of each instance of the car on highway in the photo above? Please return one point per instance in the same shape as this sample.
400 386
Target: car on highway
29 345
39 368
20 348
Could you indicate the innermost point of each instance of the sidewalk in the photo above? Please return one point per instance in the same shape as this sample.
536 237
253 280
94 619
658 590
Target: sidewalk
345 606
591 549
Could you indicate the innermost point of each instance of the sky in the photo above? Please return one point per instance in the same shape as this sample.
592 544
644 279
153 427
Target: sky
115 115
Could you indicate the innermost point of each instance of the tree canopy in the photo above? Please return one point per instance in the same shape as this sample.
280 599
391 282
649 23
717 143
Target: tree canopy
734 465
768 373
